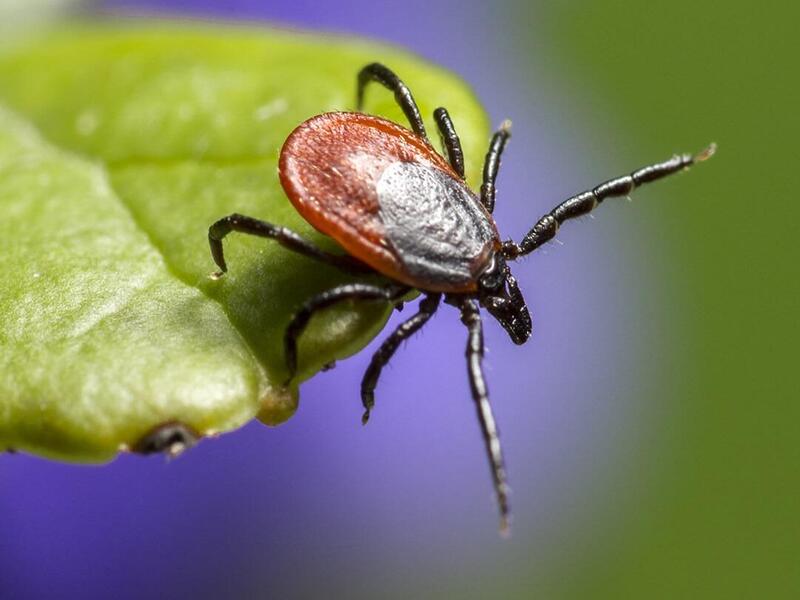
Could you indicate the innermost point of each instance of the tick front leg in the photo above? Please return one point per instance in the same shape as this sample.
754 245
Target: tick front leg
470 316
491 164
387 78
546 228
389 346
352 291
285 237
447 131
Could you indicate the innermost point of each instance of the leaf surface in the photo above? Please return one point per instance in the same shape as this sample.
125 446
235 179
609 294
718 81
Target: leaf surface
119 146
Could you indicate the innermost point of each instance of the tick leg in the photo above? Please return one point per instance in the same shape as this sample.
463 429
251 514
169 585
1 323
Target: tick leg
491 164
351 291
470 316
586 201
387 78
387 349
285 237
447 131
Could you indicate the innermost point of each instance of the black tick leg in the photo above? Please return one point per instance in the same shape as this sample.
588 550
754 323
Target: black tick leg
585 202
470 316
285 237
389 346
447 131
491 164
351 291
387 78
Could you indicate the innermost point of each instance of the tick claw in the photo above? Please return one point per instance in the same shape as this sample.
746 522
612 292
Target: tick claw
365 417
706 153
505 527
216 275
292 373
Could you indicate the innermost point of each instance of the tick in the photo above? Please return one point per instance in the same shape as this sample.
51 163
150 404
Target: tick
400 209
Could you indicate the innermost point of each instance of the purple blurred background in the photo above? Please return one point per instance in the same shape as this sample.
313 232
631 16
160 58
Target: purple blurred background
322 506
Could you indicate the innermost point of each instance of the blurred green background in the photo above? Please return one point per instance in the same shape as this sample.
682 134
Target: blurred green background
715 511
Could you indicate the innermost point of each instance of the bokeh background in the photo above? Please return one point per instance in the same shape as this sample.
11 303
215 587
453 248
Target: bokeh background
651 426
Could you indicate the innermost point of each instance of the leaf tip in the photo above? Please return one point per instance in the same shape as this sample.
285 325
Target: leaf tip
278 405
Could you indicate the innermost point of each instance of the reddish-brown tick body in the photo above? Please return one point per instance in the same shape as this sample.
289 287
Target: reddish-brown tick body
389 199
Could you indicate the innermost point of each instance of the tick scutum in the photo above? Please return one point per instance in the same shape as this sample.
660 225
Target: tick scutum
436 226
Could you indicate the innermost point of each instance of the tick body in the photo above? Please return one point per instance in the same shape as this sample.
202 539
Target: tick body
400 209
387 197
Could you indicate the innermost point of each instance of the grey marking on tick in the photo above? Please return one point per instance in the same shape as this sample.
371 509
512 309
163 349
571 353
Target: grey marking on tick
434 223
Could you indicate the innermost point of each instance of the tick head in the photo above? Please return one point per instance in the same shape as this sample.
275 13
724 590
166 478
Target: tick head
499 294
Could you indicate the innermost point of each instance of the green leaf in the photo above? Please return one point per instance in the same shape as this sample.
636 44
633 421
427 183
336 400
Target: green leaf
119 146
